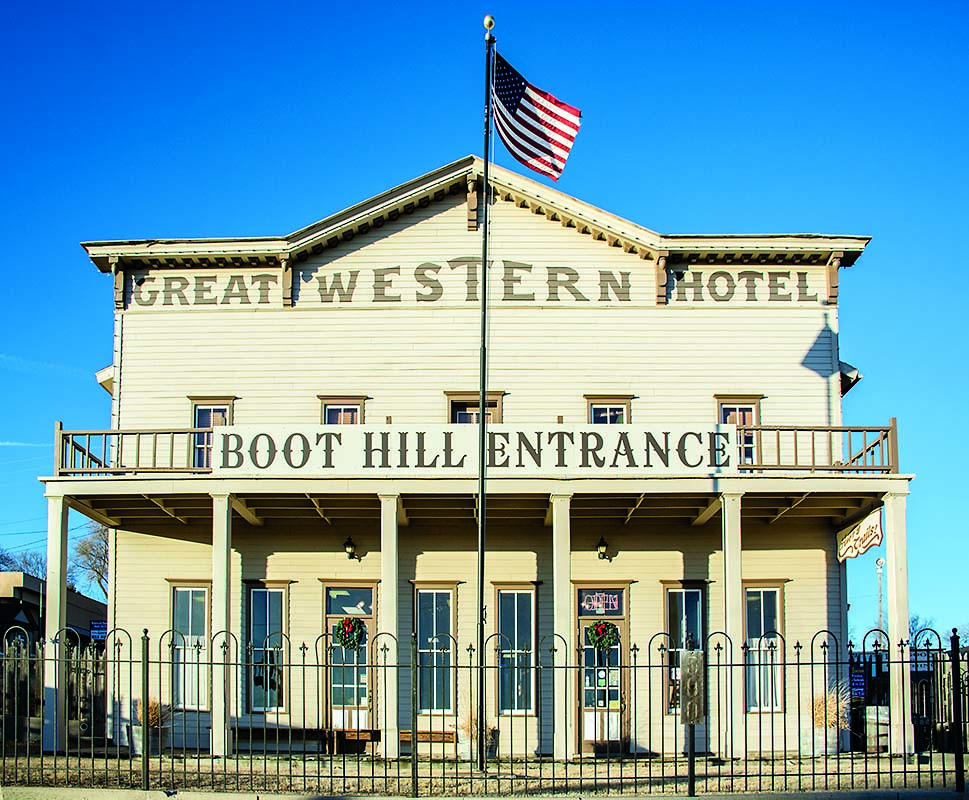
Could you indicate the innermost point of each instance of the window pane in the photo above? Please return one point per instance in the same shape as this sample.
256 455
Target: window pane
515 660
433 644
770 611
608 415
600 602
351 602
265 634
754 616
341 415
189 668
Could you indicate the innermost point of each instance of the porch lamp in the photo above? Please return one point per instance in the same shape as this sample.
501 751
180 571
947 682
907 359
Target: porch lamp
351 549
601 548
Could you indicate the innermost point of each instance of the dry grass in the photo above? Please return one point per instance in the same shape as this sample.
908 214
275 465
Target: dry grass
159 715
830 710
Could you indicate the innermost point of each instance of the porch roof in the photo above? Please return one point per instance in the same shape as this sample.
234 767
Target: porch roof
153 506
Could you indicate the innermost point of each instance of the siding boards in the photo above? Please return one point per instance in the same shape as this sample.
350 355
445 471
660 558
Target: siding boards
545 355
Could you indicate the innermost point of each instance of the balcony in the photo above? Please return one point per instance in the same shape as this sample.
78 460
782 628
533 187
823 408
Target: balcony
751 450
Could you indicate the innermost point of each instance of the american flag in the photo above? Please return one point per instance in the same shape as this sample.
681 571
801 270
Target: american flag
537 128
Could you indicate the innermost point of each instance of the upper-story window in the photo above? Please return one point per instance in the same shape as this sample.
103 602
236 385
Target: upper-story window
608 409
742 411
341 410
465 407
208 413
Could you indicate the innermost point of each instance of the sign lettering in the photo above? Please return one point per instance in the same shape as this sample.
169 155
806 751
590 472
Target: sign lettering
435 450
456 281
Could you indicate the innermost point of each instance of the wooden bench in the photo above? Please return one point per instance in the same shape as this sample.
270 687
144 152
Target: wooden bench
445 737
330 740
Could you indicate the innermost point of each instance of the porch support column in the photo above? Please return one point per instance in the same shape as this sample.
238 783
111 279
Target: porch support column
387 654
733 623
896 549
222 657
55 628
564 701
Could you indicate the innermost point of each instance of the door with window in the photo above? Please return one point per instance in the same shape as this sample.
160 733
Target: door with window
603 636
349 621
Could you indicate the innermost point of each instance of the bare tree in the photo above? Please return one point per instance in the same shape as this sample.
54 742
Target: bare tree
91 557
33 562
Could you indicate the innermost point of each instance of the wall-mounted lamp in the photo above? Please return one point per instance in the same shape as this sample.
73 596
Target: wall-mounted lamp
601 548
351 549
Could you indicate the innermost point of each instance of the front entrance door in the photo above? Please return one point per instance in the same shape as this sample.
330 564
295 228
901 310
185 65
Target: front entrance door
349 620
603 635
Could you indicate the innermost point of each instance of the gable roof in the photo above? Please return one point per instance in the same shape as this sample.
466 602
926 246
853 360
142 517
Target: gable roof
462 176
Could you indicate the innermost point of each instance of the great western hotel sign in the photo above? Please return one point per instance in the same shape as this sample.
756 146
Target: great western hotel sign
451 451
422 284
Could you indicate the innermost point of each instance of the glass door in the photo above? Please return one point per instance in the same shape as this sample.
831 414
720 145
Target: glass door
603 636
349 620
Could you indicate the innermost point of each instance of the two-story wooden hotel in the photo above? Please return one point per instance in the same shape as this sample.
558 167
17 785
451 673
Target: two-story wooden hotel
289 449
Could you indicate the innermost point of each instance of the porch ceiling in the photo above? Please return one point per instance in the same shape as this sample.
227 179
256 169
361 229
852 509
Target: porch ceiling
150 512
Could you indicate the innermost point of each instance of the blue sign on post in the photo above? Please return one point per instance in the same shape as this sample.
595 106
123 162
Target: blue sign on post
99 630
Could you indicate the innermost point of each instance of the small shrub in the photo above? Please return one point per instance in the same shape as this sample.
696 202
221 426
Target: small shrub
159 715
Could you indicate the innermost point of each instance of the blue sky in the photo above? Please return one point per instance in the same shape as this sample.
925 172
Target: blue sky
126 120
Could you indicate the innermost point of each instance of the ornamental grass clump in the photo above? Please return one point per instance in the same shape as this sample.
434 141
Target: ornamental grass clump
830 710
159 715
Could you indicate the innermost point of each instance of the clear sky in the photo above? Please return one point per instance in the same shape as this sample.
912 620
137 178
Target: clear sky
134 120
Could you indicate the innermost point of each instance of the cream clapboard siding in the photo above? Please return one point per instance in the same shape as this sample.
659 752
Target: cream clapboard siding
644 556
546 356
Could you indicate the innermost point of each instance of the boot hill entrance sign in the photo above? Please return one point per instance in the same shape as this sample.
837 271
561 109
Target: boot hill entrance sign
563 451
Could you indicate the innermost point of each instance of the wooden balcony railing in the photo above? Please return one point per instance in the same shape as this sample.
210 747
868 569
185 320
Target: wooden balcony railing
760 449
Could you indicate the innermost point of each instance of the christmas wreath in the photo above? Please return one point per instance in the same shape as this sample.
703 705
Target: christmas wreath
603 635
350 632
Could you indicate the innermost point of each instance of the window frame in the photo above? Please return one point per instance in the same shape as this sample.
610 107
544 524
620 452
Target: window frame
671 672
203 684
451 587
609 402
530 589
777 677
268 586
202 443
748 450
471 401
343 402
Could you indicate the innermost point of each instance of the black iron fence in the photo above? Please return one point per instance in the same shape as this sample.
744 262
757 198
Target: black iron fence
416 718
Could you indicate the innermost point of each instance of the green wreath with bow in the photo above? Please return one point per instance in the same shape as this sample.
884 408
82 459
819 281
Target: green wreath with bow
350 632
603 635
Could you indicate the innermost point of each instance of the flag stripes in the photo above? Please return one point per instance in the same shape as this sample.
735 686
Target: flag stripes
537 128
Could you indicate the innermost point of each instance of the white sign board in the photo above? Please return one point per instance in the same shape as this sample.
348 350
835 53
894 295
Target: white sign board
562 451
852 542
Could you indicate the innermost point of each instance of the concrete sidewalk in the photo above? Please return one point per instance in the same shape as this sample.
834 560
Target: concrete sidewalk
60 793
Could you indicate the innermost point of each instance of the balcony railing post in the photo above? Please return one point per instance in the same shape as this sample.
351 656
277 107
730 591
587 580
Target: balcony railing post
58 448
893 461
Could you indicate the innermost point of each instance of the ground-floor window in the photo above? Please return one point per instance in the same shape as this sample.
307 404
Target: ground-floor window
684 618
434 645
266 649
516 650
762 612
190 675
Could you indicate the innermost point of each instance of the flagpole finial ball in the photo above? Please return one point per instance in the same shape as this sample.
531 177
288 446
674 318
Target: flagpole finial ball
489 22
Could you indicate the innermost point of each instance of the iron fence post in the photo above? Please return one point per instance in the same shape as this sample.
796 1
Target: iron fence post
144 710
957 743
413 715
